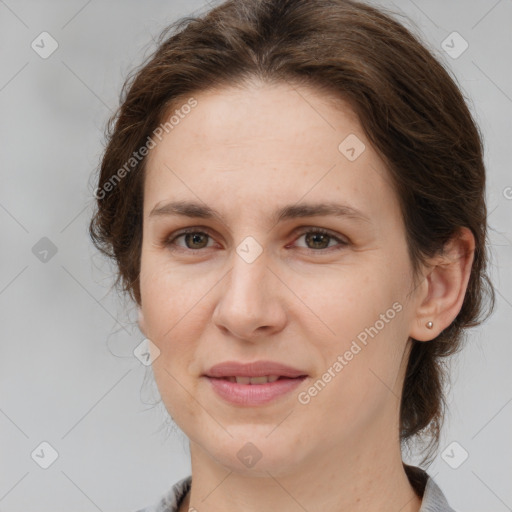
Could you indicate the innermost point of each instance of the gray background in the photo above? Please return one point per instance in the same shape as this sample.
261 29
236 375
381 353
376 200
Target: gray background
68 375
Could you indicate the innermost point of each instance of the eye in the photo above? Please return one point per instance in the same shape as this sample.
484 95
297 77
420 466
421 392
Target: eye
193 239
318 239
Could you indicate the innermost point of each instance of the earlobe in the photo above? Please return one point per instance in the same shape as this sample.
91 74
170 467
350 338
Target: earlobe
446 286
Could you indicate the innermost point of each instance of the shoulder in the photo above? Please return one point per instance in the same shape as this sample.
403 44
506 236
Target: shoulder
433 499
171 500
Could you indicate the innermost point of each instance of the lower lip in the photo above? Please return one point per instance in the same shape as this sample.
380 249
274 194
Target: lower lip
253 394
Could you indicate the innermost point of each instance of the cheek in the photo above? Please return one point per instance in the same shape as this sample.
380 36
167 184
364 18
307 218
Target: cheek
162 309
176 303
359 367
173 313
344 301
359 332
169 296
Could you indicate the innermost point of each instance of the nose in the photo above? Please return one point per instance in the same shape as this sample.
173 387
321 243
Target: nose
250 304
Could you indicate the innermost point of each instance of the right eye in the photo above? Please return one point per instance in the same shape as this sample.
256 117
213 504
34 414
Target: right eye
194 240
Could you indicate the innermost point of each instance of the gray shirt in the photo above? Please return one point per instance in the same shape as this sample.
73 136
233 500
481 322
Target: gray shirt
433 498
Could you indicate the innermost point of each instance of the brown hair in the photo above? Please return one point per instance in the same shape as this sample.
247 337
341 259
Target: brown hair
408 105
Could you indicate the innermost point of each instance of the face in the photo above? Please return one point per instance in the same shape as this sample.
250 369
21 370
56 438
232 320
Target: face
325 292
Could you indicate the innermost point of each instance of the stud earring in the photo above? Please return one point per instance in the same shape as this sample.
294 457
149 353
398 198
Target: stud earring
429 325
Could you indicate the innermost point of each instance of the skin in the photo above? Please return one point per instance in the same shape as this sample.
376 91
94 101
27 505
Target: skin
246 152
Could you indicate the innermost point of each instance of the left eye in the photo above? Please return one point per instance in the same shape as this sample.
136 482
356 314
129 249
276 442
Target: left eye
319 239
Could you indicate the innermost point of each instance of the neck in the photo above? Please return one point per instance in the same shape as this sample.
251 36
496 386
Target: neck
337 481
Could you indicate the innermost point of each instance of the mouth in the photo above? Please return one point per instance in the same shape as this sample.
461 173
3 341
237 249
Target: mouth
265 379
254 391
270 370
255 383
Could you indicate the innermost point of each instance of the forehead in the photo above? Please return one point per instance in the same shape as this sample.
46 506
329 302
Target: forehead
282 115
264 144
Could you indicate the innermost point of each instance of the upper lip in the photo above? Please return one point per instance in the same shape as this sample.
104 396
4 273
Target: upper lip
254 369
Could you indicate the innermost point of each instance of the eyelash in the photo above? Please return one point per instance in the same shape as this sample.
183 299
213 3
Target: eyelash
169 241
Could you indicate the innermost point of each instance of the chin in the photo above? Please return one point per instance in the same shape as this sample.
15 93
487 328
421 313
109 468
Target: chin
252 454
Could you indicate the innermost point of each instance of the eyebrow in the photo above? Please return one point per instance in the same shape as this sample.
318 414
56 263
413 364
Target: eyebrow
198 210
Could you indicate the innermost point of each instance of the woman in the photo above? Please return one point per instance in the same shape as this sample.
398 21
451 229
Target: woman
294 194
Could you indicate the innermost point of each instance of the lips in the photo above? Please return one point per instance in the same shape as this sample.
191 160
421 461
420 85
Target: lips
253 384
253 373
240 379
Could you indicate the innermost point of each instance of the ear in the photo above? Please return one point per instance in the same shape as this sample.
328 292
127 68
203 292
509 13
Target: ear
141 322
442 292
